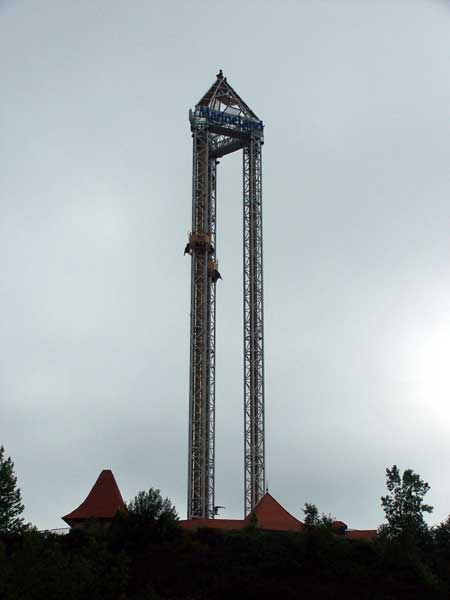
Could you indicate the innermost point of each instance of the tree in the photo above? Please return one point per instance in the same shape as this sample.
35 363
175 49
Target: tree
313 519
151 506
150 518
252 524
404 505
441 548
11 506
311 513
441 533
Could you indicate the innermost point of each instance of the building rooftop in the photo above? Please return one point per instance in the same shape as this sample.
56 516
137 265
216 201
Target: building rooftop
271 516
269 513
105 500
102 502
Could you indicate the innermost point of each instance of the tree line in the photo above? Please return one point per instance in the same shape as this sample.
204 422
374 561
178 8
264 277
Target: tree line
145 555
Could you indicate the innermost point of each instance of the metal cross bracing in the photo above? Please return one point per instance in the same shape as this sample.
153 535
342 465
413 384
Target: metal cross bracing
221 124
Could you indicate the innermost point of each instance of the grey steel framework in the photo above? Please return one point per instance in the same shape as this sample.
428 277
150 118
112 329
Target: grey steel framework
254 463
222 123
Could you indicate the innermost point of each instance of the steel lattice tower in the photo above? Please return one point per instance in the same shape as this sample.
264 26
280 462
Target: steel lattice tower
222 123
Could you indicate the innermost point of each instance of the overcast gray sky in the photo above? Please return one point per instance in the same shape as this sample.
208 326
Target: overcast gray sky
95 185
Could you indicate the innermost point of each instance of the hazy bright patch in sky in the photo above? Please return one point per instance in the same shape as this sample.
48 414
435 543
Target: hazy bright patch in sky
95 205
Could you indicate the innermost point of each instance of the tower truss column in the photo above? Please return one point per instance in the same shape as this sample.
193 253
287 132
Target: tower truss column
254 442
203 328
222 123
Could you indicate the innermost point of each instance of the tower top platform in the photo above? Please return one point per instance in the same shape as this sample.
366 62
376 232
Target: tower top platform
225 113
222 97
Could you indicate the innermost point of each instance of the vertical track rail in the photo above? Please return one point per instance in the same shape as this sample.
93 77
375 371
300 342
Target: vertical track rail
202 355
254 442
211 458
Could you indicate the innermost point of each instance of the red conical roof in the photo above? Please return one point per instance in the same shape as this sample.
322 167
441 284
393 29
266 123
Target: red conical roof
102 502
270 515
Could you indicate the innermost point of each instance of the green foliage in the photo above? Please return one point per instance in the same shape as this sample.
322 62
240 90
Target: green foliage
404 505
441 534
11 506
313 519
151 506
311 513
252 524
441 550
88 564
44 566
150 518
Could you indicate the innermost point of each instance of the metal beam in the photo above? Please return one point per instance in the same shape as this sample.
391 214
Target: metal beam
203 327
254 442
